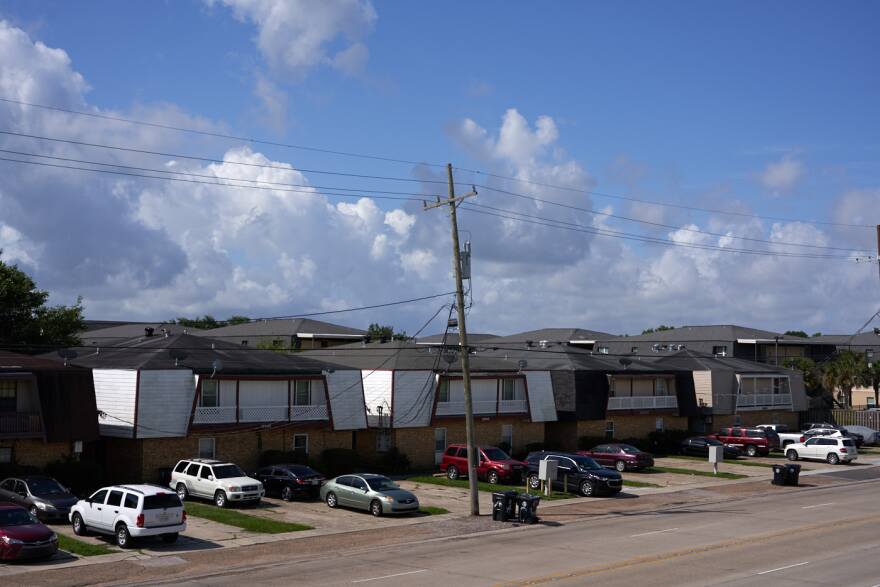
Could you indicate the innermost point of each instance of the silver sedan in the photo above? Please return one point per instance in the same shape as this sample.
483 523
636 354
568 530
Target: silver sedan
375 493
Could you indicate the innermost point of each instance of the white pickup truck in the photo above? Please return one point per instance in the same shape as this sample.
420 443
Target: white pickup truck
785 437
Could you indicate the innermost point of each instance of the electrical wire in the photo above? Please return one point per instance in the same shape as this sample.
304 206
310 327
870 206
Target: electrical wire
216 134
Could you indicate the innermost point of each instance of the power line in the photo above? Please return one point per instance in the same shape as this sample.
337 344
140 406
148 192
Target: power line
660 224
552 223
217 134
655 202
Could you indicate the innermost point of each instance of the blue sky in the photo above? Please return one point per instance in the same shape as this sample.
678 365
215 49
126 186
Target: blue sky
764 108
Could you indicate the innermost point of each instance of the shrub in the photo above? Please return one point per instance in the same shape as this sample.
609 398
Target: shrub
521 455
279 457
15 470
81 477
393 462
337 461
664 442
588 442
505 446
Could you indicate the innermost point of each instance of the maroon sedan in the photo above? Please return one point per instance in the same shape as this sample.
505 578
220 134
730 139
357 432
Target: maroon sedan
620 456
22 536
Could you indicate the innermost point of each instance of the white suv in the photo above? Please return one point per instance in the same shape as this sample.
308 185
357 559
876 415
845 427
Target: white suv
826 448
215 480
130 511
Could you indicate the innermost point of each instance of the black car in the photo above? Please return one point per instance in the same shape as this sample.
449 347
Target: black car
582 474
289 481
44 497
699 446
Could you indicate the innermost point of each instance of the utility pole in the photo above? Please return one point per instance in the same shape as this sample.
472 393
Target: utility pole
452 201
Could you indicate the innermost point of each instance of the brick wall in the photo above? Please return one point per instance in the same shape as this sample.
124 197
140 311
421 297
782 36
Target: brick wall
561 435
753 418
631 426
34 452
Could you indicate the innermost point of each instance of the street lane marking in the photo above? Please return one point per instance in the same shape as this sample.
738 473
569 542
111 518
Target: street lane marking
654 532
390 576
818 505
783 568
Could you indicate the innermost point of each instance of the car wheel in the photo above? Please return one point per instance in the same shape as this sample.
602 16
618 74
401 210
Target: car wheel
534 482
79 526
220 499
493 478
376 508
182 491
751 450
286 493
587 489
331 500
833 459
620 466
792 455
123 538
452 473
169 538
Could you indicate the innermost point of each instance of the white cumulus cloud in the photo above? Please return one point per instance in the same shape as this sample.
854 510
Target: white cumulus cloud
783 175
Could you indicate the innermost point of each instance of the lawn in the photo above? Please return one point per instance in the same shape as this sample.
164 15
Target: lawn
80 548
240 520
678 471
430 510
742 462
492 488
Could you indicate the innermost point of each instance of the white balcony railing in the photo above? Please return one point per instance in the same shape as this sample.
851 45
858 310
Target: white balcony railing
317 412
214 415
20 424
763 400
262 414
658 402
513 406
481 408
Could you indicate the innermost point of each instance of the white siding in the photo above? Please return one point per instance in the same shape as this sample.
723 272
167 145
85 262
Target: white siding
227 393
115 396
346 392
541 402
703 388
413 398
270 393
377 392
165 400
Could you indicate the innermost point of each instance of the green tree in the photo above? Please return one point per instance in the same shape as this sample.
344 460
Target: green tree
870 377
207 322
377 332
815 334
25 319
660 328
812 374
798 333
845 371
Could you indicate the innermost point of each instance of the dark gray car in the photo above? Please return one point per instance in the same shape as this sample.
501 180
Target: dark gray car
375 493
44 497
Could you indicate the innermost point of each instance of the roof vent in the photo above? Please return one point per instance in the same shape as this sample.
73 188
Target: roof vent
542 344
148 331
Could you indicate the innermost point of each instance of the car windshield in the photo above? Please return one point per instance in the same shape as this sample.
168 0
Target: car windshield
228 472
587 463
630 450
496 454
713 442
15 517
44 486
381 484
162 501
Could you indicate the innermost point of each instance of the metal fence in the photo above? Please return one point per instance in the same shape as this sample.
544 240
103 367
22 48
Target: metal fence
869 418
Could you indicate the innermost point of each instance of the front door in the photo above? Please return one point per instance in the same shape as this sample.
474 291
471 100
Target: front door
811 448
566 473
93 512
359 495
111 508
205 482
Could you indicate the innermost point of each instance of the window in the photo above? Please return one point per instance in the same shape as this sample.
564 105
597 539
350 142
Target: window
161 501
871 404
737 433
206 448
244 343
737 420
208 397
358 483
193 469
609 430
301 443
5 454
180 467
720 350
462 453
131 501
443 391
439 440
508 390
603 350
658 424
115 499
383 441
99 496
634 350
205 473
661 386
7 395
302 395
451 451
507 435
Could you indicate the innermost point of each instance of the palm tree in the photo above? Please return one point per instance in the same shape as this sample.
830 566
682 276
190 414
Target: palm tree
870 377
844 372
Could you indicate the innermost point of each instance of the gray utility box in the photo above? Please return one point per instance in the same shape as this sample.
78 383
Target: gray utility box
547 470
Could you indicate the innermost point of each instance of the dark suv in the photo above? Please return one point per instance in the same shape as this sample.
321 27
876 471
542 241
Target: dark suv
583 474
289 481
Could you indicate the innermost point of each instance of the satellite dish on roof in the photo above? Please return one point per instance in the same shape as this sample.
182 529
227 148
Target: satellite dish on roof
178 355
625 362
67 354
217 365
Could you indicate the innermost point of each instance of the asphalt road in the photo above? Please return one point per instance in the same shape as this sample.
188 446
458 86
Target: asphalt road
819 536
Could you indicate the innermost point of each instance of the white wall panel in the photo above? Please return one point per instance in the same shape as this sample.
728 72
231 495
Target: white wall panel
346 392
115 396
413 398
703 388
541 402
377 391
227 392
165 400
269 393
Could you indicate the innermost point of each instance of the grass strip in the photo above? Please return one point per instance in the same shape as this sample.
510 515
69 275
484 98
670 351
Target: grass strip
430 510
678 471
79 548
483 486
742 462
628 483
240 520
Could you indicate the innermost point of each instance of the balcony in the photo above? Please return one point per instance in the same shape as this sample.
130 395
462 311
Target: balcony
20 424
483 408
762 401
227 414
650 402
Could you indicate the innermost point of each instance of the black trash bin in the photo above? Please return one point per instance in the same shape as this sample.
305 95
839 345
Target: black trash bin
528 508
164 476
499 511
793 472
510 504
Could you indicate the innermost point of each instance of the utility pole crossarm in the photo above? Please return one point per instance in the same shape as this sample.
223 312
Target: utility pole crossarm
452 199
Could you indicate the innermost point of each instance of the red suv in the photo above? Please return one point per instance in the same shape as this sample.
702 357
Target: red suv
494 466
752 441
